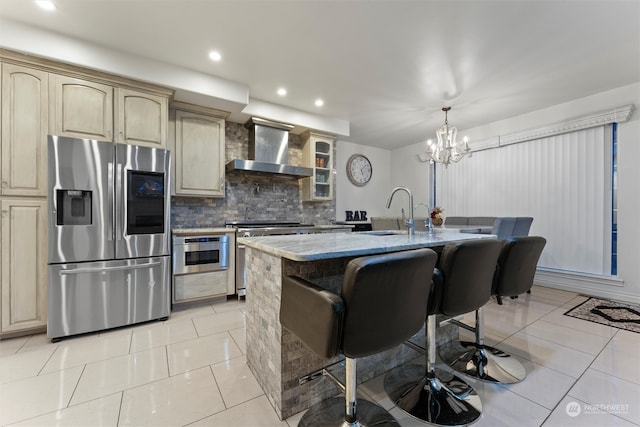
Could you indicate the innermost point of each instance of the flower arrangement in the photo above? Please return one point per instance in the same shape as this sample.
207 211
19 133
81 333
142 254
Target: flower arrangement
436 215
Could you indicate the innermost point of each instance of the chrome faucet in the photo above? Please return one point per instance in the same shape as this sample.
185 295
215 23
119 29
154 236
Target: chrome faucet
410 223
427 222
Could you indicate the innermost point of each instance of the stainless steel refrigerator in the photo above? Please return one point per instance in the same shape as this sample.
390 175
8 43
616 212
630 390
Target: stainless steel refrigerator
109 238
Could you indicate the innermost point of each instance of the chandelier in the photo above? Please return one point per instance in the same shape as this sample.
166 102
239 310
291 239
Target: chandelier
447 150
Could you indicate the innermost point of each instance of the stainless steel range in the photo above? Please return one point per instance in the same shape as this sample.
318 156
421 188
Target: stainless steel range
262 228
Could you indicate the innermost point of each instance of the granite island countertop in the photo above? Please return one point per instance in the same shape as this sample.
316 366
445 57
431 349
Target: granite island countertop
313 247
275 356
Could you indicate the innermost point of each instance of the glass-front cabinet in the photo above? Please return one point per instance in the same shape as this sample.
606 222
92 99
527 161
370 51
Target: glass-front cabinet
318 155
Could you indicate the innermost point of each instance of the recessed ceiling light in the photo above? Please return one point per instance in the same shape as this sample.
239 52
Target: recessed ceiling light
214 55
282 91
46 4
319 102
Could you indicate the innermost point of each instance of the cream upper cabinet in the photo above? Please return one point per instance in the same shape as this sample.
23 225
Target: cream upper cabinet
81 109
141 118
199 155
24 131
317 154
85 109
24 265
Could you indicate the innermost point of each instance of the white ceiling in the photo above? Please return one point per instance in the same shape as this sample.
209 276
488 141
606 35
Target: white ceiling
387 67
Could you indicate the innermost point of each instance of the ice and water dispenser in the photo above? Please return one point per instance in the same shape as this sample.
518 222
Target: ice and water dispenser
74 207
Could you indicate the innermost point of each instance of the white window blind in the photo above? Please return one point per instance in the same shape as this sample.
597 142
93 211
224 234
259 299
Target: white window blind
563 182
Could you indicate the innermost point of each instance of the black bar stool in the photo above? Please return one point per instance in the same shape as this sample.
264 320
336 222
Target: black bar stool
514 275
382 303
462 283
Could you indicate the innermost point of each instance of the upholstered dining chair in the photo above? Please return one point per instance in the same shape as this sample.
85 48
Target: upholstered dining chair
522 226
503 227
385 223
517 266
456 220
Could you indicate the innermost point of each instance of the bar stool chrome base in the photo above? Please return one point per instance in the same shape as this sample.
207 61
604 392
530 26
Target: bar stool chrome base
330 413
442 399
483 362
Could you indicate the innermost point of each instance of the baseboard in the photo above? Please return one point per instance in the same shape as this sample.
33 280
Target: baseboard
24 332
610 287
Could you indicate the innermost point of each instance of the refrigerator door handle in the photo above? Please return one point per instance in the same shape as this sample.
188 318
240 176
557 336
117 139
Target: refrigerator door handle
120 267
121 214
111 202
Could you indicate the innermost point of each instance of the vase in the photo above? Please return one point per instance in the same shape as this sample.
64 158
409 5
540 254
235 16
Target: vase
436 221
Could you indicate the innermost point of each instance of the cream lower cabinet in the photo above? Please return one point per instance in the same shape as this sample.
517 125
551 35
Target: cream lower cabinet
24 265
199 154
25 109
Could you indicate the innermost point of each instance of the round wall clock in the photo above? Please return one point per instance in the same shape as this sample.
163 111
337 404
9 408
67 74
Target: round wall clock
359 170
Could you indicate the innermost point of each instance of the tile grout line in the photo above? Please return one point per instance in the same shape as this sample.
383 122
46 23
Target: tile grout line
547 367
504 386
554 343
215 380
76 386
166 355
120 408
580 330
580 377
48 360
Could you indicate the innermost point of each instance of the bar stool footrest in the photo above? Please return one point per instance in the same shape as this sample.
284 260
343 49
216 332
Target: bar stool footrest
444 399
484 363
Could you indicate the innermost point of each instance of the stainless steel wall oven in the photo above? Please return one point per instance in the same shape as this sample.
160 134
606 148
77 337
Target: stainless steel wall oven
200 267
197 254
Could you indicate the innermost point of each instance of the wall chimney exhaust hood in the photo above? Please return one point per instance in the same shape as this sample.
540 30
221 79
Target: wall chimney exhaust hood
268 150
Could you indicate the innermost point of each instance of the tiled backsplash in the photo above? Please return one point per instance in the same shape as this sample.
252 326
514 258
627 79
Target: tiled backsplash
253 196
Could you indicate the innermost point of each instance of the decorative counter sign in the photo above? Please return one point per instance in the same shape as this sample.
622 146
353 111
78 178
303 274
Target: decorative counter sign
356 216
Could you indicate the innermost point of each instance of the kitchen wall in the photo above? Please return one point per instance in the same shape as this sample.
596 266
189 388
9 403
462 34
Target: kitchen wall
408 171
252 196
373 196
391 169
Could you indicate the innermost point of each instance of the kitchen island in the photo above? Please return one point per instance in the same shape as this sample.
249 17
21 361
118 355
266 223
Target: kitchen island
275 356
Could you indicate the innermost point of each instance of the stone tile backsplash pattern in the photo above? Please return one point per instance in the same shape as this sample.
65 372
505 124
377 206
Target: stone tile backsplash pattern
252 196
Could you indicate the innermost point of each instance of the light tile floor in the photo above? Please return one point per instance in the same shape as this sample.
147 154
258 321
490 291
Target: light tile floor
191 370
